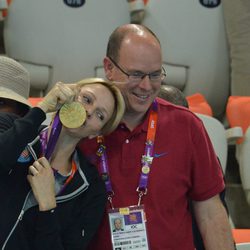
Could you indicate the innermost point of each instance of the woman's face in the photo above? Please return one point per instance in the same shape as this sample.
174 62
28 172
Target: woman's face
99 104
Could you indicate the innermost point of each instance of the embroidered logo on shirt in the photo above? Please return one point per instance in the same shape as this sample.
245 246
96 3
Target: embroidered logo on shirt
159 155
24 157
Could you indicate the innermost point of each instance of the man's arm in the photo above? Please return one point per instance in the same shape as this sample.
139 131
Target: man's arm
213 223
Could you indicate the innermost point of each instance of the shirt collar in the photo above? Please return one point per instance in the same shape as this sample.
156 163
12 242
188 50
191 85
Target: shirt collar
142 127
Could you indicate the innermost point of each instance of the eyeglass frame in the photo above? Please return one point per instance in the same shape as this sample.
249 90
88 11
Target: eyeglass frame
162 75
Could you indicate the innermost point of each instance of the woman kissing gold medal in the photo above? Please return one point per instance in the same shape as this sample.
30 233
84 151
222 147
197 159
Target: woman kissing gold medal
72 115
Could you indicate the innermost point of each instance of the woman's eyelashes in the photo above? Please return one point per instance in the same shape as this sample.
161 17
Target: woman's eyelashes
100 115
89 100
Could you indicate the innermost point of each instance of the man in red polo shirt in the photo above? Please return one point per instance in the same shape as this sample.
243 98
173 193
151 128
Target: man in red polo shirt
158 159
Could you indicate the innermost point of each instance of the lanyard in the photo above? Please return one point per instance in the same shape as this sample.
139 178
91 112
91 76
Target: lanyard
146 161
49 146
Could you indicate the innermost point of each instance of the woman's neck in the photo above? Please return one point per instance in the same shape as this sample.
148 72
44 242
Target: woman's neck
62 155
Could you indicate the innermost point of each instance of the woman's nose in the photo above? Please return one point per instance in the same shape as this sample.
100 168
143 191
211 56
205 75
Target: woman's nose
89 113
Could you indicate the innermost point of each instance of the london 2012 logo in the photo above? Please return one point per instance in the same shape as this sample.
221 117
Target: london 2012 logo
74 3
210 3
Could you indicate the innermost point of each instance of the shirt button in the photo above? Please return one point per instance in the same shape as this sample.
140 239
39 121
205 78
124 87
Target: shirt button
127 141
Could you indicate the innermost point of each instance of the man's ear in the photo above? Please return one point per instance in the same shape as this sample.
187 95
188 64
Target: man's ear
108 67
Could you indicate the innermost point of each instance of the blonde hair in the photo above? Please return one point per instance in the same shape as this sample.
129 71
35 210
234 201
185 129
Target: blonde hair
119 109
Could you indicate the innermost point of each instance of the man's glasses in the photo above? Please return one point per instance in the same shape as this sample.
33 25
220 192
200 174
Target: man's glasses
138 76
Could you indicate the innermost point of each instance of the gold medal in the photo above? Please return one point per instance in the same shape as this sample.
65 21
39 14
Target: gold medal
72 115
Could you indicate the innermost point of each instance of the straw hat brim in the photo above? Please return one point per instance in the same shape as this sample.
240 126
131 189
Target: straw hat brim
9 94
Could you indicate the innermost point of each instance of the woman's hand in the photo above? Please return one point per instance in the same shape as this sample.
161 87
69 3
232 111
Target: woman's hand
61 93
42 182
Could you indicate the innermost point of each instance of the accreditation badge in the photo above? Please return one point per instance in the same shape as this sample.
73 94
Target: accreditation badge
128 228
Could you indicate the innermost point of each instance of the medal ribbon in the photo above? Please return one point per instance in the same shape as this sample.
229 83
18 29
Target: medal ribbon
146 160
54 134
49 146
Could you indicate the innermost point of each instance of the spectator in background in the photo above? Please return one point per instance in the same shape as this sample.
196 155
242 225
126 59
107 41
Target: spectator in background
173 95
14 87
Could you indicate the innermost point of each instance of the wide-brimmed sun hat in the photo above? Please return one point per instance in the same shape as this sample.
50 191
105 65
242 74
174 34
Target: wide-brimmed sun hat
14 81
